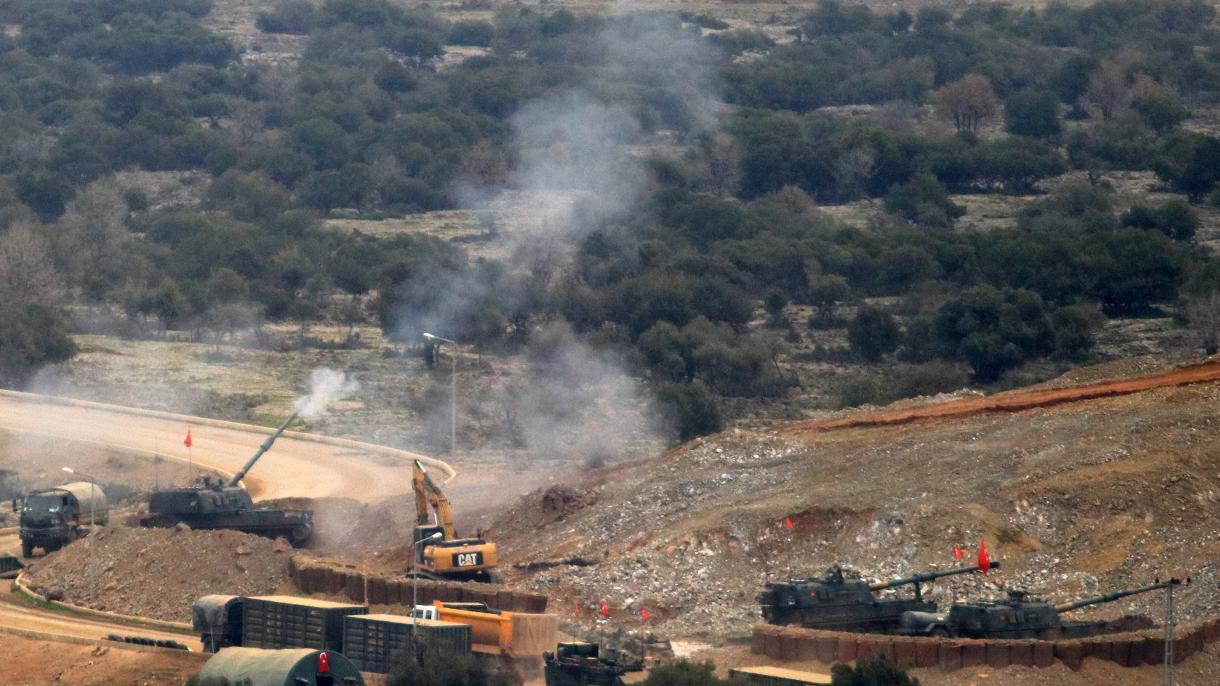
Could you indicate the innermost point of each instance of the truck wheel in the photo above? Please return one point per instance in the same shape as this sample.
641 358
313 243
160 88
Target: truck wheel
939 632
27 549
300 535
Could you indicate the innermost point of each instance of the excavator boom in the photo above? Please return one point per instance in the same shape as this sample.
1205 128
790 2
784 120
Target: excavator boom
429 496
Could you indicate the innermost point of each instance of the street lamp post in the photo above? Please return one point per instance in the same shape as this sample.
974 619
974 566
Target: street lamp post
415 582
436 340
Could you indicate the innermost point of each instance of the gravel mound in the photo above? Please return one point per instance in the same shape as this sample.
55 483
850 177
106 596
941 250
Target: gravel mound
159 572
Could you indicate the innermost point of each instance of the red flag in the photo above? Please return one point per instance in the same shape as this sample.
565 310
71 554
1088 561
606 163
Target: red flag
958 553
644 615
984 561
187 441
788 522
575 609
605 610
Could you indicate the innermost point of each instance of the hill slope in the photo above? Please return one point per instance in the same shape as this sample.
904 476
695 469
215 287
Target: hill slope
1078 497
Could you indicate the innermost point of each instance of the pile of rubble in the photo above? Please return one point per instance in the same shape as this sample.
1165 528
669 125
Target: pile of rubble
1076 501
158 573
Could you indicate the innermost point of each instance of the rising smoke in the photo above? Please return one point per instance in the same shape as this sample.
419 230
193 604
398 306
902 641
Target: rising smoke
578 168
326 386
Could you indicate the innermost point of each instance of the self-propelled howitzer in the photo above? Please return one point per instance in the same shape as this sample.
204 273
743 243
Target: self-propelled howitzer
1018 616
216 505
844 602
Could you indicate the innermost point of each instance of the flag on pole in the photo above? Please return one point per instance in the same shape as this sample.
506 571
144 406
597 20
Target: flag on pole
958 553
788 522
575 609
605 612
984 560
187 441
644 615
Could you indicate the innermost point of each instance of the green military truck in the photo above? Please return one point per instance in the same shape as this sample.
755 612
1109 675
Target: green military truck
53 517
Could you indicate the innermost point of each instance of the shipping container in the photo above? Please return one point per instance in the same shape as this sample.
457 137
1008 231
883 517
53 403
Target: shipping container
372 641
280 621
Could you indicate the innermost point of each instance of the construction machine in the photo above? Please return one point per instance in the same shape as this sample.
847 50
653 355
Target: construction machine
446 556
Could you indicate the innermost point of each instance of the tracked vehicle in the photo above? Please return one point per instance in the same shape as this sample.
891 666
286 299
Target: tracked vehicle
217 505
1018 616
585 664
842 601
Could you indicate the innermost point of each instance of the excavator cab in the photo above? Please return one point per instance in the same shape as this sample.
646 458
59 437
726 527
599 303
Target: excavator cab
449 557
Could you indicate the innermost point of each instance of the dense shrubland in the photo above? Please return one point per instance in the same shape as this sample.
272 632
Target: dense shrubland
723 234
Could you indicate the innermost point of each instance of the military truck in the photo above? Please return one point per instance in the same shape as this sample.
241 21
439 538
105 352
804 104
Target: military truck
1017 616
218 619
843 601
217 505
584 664
53 517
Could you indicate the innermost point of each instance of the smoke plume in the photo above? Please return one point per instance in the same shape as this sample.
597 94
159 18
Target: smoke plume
326 386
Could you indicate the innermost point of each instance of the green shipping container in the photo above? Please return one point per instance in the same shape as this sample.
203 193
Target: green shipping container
280 621
372 641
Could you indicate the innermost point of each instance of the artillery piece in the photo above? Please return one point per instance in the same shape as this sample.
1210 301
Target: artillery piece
217 505
584 664
1018 616
842 601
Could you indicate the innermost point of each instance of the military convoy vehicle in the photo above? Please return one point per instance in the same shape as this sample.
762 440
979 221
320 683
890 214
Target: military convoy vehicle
54 517
217 505
584 664
842 601
1018 616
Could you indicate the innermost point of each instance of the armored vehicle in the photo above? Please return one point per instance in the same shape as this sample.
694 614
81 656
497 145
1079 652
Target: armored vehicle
1018 616
842 601
217 505
583 664
52 518
218 619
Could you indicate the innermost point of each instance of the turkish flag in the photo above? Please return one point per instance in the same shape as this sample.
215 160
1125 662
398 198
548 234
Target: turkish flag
787 522
984 561
605 610
958 553
644 615
187 441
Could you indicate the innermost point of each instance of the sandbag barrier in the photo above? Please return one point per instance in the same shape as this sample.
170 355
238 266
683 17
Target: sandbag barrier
311 577
1128 649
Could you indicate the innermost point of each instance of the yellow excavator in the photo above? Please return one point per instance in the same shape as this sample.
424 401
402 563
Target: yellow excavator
439 553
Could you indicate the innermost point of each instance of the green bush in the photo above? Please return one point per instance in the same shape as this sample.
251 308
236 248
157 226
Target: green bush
691 408
426 665
873 333
875 670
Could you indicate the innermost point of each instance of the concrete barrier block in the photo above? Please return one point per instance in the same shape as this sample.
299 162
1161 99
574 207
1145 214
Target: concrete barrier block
1022 653
974 654
865 646
1070 653
1135 651
1044 653
998 654
806 647
904 652
1120 651
927 653
1154 650
771 645
950 655
377 594
353 587
1099 648
1187 645
789 642
338 580
504 600
826 646
538 603
847 650
757 641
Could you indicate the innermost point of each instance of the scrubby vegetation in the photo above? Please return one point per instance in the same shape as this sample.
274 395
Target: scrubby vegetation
676 275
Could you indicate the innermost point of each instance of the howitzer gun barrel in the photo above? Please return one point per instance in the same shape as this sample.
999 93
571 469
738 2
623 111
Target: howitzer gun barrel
241 473
925 577
1109 597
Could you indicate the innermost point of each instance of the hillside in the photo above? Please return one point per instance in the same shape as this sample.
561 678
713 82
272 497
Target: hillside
1075 498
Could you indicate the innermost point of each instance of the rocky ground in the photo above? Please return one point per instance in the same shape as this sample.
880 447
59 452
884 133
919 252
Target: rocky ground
33 662
160 572
1076 500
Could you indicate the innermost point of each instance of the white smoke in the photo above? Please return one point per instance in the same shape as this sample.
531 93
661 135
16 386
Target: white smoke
326 386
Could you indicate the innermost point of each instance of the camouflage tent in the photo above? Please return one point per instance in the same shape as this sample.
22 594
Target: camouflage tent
291 667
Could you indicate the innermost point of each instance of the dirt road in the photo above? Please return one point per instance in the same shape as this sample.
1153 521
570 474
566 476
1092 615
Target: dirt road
1013 401
17 614
298 465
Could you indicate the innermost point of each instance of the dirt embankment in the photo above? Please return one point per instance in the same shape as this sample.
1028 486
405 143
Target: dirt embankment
160 572
1077 498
